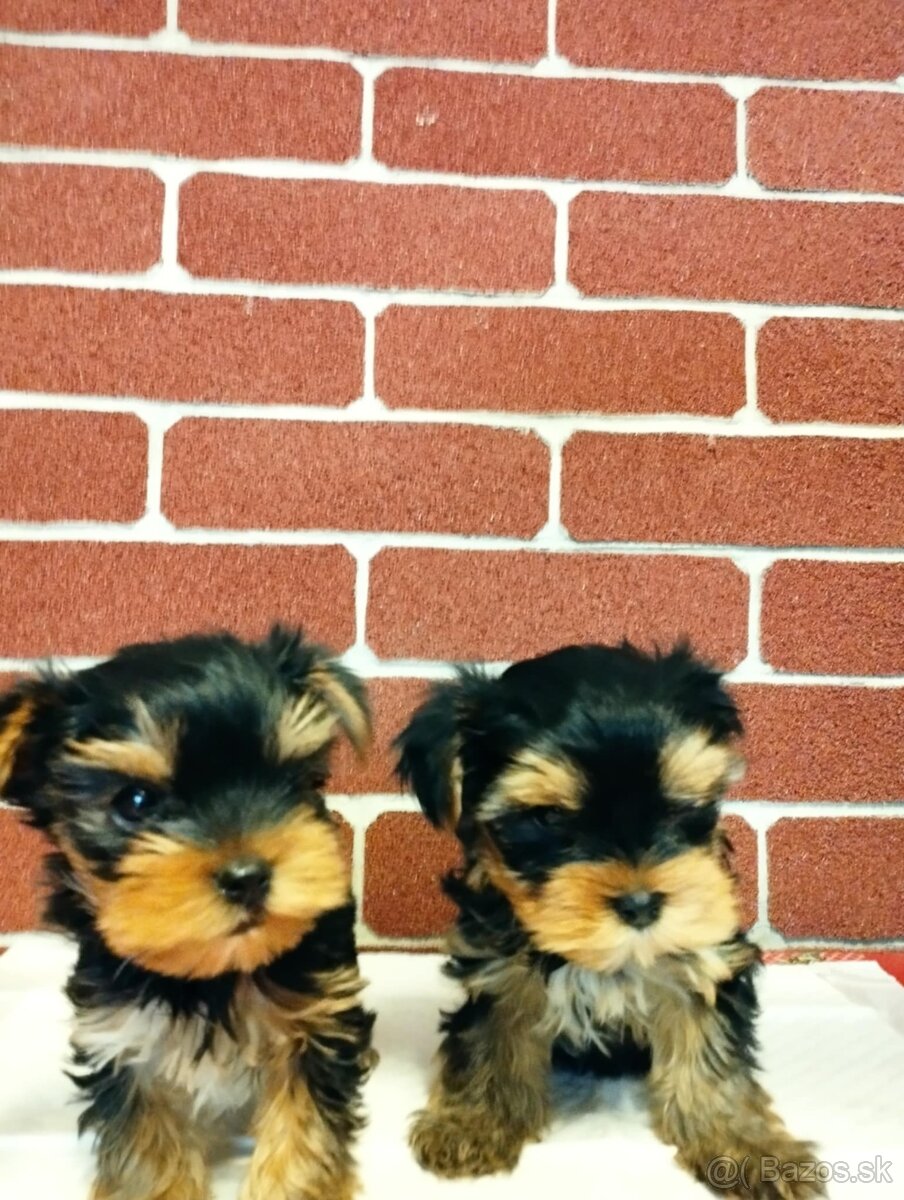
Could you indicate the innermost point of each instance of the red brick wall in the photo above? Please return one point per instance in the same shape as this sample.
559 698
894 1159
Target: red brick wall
461 329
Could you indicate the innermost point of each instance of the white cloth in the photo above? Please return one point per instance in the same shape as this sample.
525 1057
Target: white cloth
832 1050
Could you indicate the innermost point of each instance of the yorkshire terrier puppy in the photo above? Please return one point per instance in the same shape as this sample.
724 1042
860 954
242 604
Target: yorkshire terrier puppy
597 917
204 880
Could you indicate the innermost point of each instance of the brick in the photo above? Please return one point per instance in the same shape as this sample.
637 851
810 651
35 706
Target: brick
550 360
404 862
836 877
72 466
834 618
721 248
417 478
392 701
21 852
181 104
227 349
477 29
820 141
137 18
84 598
822 743
330 231
832 39
501 606
561 128
773 491
744 860
79 218
812 370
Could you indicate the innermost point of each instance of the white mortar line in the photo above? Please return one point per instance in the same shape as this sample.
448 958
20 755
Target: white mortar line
156 432
369 666
763 814
172 16
369 72
165 283
551 427
356 540
551 66
368 170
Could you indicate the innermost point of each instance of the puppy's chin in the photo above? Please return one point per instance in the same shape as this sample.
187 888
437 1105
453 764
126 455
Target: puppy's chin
570 914
163 910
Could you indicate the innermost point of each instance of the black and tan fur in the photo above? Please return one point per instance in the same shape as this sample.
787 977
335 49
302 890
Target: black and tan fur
198 868
597 918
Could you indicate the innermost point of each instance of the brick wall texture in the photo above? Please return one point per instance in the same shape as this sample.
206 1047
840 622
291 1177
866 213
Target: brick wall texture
459 330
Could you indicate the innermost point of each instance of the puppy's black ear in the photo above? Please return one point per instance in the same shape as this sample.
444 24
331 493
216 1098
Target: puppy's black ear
428 761
430 746
699 693
31 721
325 695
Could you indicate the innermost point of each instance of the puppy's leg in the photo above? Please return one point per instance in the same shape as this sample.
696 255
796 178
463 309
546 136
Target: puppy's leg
707 1102
491 1093
310 1111
147 1146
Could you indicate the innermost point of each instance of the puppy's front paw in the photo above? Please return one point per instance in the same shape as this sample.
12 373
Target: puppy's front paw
456 1143
787 1171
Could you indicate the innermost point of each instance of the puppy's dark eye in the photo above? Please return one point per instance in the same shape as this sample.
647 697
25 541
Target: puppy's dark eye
529 828
132 804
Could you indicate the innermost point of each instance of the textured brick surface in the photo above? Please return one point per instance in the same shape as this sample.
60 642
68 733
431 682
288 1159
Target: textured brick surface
21 852
834 618
772 491
719 248
838 878
832 39
392 702
180 104
275 475
72 466
481 29
822 743
330 231
819 141
744 864
549 360
502 606
240 349
137 17
85 598
569 128
79 218
405 859
811 370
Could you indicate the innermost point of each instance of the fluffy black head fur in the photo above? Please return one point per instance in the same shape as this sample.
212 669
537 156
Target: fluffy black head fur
181 783
580 779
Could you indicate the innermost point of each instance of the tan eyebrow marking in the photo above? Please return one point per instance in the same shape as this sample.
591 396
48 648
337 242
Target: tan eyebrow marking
694 768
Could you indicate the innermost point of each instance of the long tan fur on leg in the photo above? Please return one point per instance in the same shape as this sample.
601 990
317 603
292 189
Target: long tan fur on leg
491 1093
150 1152
706 1102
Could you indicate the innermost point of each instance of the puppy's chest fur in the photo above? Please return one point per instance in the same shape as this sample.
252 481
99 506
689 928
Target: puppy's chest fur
588 1008
593 1008
216 1069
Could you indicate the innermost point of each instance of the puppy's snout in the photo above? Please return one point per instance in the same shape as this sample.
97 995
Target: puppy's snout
639 909
245 881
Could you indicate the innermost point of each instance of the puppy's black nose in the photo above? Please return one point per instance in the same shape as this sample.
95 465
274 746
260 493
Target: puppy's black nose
639 909
245 881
